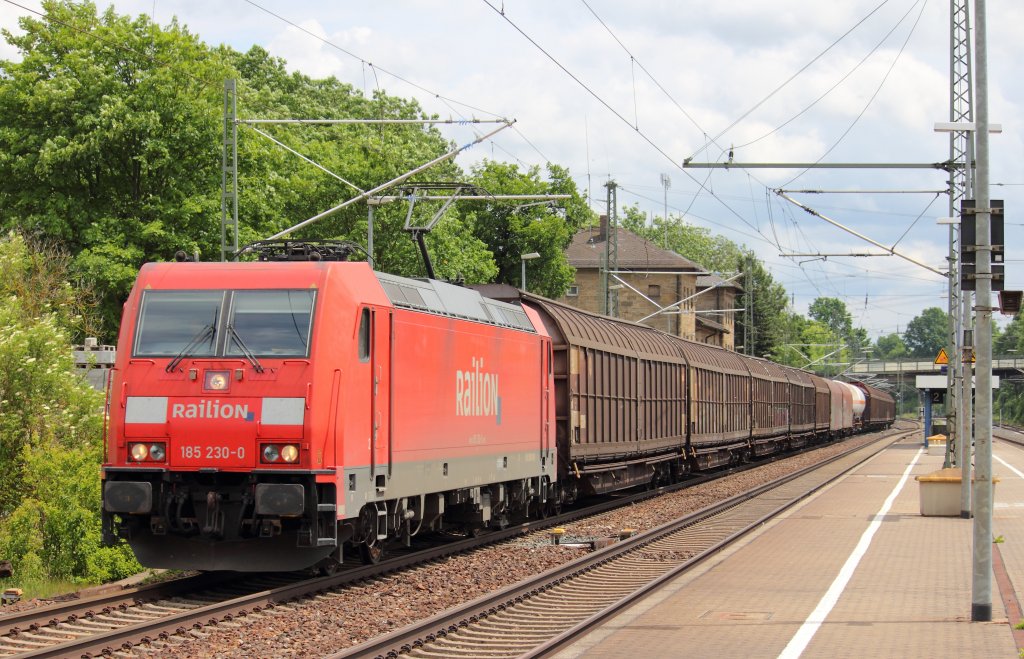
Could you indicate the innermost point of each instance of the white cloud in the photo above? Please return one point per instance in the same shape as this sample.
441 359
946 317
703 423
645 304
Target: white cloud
717 61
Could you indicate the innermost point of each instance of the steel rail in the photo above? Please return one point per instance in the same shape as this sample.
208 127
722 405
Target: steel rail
50 620
422 638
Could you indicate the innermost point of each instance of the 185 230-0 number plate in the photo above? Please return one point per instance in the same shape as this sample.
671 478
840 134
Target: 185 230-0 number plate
212 454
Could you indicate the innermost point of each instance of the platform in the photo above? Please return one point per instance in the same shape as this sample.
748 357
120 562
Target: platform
903 591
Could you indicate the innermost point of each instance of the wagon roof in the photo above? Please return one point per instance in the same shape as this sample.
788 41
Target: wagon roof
591 330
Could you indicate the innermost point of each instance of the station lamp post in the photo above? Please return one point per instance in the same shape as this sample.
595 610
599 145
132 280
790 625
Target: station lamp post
522 260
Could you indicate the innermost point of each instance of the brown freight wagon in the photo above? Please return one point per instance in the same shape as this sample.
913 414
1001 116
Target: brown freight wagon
879 407
770 394
719 397
620 392
802 406
822 405
840 422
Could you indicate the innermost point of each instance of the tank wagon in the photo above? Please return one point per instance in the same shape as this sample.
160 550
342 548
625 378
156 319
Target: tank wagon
273 415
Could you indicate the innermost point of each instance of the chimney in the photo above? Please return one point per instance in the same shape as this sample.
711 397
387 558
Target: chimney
603 233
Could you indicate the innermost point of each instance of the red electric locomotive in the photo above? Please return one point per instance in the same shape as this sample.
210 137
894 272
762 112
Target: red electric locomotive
264 415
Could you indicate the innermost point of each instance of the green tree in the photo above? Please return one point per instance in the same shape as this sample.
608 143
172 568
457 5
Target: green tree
809 344
111 135
833 313
927 334
50 427
1009 398
105 123
766 303
890 346
513 228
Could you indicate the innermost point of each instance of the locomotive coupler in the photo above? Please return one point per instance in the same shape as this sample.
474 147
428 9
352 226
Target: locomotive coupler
214 517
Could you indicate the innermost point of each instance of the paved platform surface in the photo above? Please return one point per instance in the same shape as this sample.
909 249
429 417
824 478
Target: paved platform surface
908 595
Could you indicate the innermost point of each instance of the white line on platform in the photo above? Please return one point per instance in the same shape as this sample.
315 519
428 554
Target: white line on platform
810 627
1009 466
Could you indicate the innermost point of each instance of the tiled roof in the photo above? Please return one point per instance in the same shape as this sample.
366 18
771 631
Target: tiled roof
588 248
707 281
711 324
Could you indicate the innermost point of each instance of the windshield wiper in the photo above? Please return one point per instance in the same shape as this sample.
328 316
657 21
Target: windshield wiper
245 349
203 334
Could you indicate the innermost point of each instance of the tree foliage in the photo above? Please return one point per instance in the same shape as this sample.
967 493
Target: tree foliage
1009 398
105 120
927 333
50 428
515 228
890 346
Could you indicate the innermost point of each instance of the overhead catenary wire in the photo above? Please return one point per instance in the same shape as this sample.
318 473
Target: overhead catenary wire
873 96
446 100
504 16
793 77
835 85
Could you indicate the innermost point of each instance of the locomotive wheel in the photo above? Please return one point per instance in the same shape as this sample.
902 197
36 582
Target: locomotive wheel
328 567
371 554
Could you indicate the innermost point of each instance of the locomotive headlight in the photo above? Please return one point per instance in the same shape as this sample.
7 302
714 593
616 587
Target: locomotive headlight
289 452
216 380
270 453
157 453
152 452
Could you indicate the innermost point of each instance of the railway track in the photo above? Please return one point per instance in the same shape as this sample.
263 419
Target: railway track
155 616
1010 434
34 632
542 614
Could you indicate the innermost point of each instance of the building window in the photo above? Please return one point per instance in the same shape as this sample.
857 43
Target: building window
654 291
573 291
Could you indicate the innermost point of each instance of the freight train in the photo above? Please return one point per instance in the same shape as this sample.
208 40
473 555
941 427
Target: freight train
271 415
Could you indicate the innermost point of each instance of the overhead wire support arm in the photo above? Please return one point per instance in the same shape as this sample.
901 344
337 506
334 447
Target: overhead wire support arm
667 309
822 255
944 166
376 121
943 191
860 235
393 182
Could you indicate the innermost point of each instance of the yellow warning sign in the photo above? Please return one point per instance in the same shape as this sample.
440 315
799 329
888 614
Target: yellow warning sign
942 357
973 358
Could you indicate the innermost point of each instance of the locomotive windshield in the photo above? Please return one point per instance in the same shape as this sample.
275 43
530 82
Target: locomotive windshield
271 322
172 320
267 323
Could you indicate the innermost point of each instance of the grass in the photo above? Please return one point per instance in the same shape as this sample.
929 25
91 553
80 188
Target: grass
39 587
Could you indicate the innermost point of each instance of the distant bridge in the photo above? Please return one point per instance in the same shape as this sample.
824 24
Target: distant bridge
1006 367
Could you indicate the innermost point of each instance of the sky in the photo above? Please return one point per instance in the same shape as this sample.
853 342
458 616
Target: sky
630 91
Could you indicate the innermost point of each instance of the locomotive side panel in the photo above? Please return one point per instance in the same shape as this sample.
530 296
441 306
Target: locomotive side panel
466 406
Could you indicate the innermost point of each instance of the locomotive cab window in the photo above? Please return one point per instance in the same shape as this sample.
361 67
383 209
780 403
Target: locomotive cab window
270 323
364 335
172 321
266 323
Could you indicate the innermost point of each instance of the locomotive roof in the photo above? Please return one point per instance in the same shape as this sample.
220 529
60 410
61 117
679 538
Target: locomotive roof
450 300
